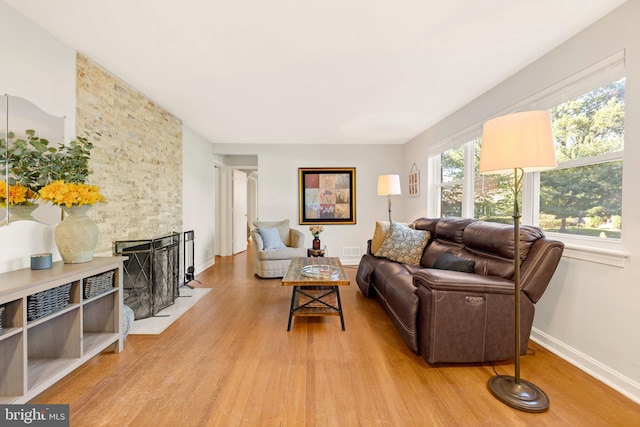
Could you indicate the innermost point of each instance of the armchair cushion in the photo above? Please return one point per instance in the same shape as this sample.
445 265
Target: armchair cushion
281 226
271 238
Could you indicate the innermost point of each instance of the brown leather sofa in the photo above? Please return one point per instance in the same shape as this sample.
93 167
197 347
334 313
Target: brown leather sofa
453 316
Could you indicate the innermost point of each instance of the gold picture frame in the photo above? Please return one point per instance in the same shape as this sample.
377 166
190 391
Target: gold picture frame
327 195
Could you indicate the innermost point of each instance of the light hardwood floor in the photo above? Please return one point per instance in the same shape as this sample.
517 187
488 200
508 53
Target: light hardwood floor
229 361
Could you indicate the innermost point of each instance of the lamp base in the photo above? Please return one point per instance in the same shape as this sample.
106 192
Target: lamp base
524 395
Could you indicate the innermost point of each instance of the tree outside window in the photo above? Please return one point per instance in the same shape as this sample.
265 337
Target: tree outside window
452 174
584 195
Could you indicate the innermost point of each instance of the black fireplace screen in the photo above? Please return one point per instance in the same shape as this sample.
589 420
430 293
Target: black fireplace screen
151 273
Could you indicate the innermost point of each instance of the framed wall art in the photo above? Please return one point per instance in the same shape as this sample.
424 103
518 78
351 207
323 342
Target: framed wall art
327 195
414 181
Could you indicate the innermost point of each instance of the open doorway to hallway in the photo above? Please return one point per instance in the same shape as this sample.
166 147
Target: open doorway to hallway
236 202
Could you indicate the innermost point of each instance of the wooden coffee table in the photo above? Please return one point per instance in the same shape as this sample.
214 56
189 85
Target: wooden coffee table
316 283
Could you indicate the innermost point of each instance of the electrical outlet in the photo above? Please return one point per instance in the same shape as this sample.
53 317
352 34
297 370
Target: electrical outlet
207 253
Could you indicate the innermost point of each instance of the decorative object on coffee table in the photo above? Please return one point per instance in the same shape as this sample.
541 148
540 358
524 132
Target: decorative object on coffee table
518 143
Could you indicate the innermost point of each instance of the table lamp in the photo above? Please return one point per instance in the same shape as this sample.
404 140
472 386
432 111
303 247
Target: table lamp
389 185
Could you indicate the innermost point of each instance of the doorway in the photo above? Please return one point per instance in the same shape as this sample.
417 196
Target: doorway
236 202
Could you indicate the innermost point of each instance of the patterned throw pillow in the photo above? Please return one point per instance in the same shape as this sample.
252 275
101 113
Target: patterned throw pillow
382 228
271 238
403 244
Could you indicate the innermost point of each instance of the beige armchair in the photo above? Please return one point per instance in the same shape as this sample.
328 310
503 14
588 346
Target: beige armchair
272 252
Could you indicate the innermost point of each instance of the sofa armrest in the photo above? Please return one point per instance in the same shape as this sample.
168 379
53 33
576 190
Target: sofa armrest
296 238
539 266
456 281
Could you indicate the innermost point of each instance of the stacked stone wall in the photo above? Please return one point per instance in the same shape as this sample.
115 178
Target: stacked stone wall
137 159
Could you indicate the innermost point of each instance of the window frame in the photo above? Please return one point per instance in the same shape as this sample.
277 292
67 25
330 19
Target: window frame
606 251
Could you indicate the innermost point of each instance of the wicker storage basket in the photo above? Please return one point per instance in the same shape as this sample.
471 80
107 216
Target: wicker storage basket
46 302
1 310
98 284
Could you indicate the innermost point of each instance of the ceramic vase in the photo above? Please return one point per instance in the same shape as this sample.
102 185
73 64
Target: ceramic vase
316 243
77 235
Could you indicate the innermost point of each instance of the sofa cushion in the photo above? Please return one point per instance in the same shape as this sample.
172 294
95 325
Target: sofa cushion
401 304
271 238
452 229
403 244
448 261
495 238
379 234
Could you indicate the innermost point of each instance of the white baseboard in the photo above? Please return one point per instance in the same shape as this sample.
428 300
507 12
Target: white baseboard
199 269
601 372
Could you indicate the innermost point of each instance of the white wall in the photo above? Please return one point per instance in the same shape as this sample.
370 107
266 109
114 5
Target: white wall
198 212
278 196
41 69
589 313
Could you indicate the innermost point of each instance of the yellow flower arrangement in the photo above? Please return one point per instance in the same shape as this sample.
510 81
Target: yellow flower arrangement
69 194
18 195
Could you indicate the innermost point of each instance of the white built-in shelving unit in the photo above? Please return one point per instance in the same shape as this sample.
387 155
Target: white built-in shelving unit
35 354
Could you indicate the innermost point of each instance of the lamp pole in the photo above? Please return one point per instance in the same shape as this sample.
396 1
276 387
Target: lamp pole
514 391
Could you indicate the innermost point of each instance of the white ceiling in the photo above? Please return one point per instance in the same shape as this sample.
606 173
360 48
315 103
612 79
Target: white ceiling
300 71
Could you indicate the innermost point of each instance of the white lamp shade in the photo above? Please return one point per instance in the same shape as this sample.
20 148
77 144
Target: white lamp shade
520 140
388 185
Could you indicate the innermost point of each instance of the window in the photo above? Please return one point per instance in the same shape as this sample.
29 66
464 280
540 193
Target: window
493 196
582 197
451 180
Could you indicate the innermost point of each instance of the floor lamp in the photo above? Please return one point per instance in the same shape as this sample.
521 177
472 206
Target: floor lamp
389 185
517 143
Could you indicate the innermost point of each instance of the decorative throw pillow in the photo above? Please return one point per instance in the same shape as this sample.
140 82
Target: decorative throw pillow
448 261
403 244
271 238
382 228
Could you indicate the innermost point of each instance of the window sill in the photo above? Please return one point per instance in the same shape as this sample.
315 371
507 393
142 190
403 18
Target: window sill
611 257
